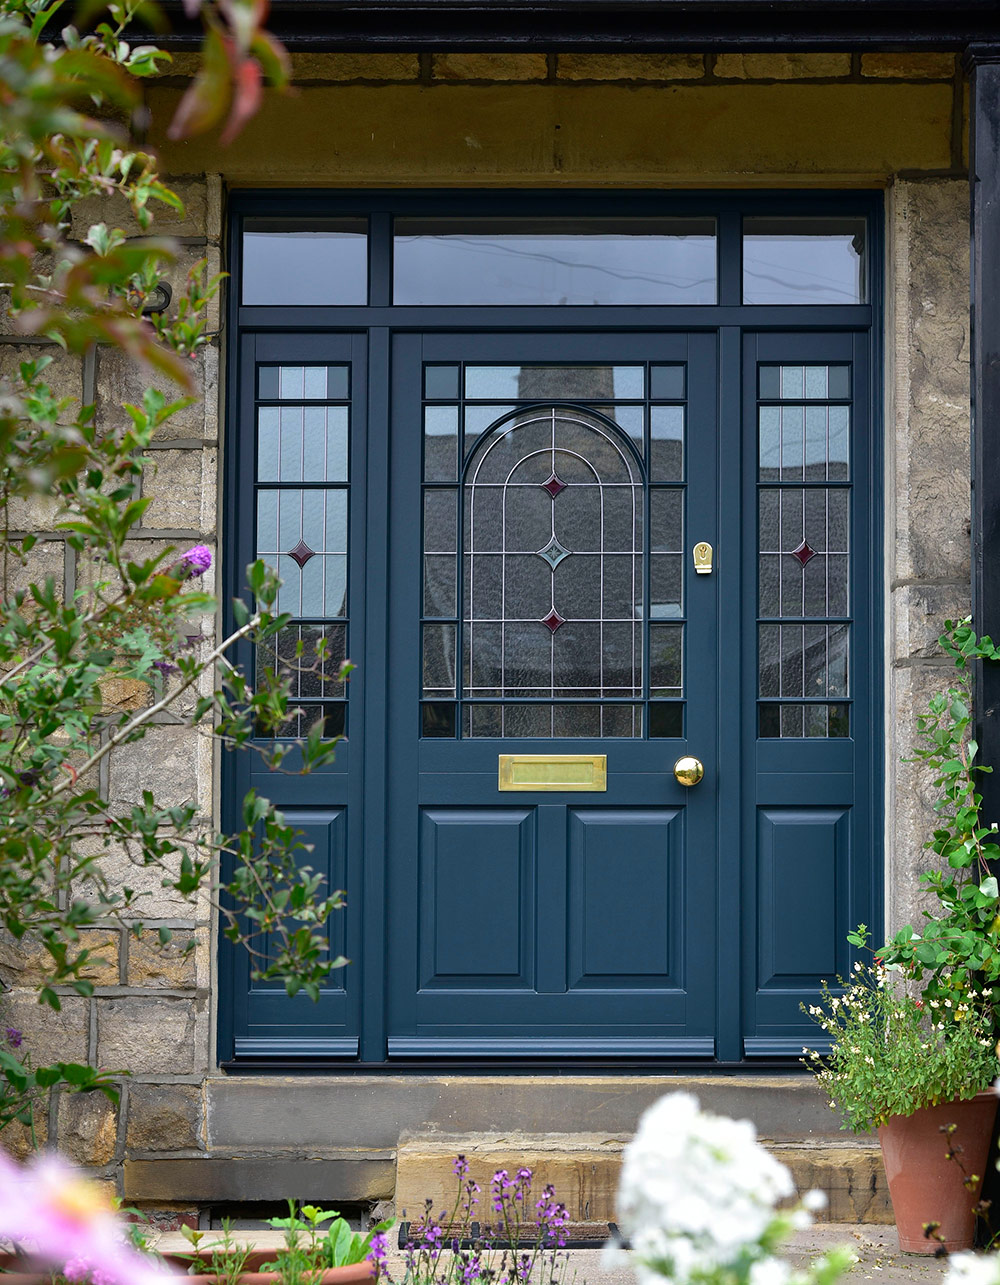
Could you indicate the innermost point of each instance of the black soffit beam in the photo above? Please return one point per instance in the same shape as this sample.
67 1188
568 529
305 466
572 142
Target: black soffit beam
661 26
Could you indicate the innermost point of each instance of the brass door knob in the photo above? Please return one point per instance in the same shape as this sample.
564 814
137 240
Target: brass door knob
689 770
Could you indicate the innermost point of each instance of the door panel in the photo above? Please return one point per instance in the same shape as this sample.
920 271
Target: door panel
554 501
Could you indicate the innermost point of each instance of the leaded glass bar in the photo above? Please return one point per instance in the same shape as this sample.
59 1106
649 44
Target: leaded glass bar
804 508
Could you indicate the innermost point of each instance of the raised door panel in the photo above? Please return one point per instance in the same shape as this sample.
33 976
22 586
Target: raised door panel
476 903
276 1022
625 897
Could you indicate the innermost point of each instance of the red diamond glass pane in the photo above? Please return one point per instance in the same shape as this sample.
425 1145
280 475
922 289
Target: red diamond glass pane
553 620
554 485
803 553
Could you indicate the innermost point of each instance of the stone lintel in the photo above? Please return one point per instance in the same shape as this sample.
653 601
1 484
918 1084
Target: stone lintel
250 1178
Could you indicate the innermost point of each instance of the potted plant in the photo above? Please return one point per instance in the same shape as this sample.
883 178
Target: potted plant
320 1249
924 1085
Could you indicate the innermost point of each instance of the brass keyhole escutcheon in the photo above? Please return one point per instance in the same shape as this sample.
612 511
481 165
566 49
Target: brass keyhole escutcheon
703 559
689 770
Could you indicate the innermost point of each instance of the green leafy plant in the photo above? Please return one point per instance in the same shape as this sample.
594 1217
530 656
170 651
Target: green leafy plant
137 620
313 1246
227 1257
957 954
889 1055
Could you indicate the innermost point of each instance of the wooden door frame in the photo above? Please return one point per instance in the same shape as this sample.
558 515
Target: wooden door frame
379 318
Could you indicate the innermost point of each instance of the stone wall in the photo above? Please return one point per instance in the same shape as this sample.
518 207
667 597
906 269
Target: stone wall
928 501
529 120
150 1013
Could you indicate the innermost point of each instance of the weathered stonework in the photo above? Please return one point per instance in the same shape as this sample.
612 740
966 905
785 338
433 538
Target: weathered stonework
165 1117
146 1034
88 1128
781 66
928 497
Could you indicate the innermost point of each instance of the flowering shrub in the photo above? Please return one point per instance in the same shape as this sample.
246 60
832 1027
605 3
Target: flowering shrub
524 1239
62 1221
130 621
698 1200
957 955
892 1054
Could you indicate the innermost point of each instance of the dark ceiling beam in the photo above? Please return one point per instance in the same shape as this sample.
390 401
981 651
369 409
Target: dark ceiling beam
661 26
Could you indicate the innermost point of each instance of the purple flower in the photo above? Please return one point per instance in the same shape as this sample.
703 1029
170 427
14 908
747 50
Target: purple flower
378 1250
460 1167
165 667
195 562
13 1037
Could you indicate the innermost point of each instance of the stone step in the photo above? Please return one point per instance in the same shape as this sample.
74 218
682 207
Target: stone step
339 1111
583 1168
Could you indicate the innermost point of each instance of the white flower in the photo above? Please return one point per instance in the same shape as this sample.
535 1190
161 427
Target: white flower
815 1201
973 1269
770 1271
696 1191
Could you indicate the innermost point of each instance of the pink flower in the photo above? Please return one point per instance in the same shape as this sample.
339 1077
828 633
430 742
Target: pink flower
58 1217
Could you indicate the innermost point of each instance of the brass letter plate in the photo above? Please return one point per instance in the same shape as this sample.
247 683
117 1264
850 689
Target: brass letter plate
553 771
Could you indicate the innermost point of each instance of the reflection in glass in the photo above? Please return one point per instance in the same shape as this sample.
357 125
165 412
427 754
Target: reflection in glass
322 262
555 383
666 443
537 261
804 260
302 443
802 720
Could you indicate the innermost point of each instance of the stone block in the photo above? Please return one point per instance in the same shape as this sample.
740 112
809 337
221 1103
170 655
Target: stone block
918 613
784 66
221 1179
490 67
583 1168
87 1128
125 694
164 1117
122 380
147 1035
152 964
49 1036
116 212
174 762
182 486
46 559
63 375
340 67
630 66
851 1176
909 66
153 901
20 1140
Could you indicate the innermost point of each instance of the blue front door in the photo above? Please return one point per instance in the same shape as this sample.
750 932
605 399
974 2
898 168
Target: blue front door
569 550
545 603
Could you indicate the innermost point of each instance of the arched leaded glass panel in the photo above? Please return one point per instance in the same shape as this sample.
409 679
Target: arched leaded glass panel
552 571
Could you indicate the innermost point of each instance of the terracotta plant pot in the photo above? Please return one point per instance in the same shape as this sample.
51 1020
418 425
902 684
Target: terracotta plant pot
926 1187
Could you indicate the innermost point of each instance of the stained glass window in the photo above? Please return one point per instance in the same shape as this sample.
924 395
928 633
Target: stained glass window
303 423
804 502
550 567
